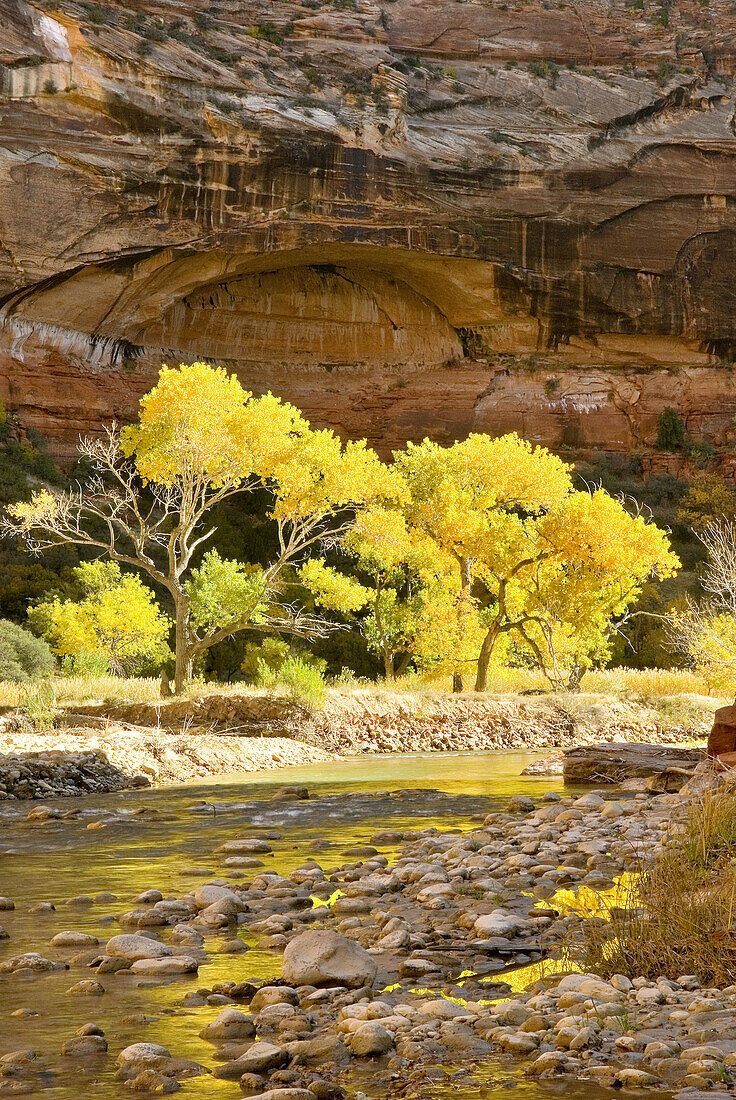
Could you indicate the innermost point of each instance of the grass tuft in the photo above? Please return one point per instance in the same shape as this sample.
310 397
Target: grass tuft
679 914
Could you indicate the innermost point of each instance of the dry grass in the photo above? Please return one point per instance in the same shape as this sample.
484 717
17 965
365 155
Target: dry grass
651 687
86 689
678 915
628 683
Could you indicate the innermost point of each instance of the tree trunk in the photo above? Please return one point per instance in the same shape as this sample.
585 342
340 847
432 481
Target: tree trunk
484 658
576 675
184 660
388 664
464 610
402 664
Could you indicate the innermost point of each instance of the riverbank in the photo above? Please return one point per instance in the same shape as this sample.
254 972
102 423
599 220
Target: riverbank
176 741
83 760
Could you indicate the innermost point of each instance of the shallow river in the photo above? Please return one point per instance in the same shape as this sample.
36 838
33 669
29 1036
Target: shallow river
131 841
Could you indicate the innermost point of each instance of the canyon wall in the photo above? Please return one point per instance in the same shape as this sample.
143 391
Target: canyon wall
409 217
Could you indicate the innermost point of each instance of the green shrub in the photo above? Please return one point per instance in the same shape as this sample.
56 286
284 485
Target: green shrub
270 655
267 32
305 681
671 434
544 69
22 655
85 664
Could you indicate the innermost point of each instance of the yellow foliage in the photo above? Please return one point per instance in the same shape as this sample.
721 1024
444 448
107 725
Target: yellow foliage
706 500
118 619
40 509
380 538
458 492
199 424
331 589
555 565
710 642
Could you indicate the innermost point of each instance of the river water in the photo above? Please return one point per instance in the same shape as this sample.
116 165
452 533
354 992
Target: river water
123 843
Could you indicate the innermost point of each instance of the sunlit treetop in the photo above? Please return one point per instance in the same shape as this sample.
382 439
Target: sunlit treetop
316 474
198 424
596 528
460 493
194 422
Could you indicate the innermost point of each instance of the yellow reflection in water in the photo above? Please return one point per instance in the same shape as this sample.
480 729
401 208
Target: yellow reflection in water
587 902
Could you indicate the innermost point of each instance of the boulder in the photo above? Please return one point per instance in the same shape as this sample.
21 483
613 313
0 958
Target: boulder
722 738
211 893
73 939
371 1038
290 794
285 1094
136 947
30 961
84 1046
498 923
87 987
520 803
150 1057
230 1024
617 761
251 845
324 957
166 967
258 1058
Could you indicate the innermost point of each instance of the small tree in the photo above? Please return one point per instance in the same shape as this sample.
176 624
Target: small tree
22 655
671 435
202 440
393 592
472 502
593 559
117 624
705 631
707 500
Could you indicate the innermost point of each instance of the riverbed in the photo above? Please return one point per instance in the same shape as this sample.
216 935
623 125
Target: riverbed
120 844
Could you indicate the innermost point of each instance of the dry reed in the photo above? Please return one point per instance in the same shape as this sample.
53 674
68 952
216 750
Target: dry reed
678 915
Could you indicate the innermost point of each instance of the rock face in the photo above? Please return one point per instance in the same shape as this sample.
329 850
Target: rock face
405 216
617 762
722 738
327 958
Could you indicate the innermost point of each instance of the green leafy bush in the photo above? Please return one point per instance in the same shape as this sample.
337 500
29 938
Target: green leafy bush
305 681
670 430
22 655
265 659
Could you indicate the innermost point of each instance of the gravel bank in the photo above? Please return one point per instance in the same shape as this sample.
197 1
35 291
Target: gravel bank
79 761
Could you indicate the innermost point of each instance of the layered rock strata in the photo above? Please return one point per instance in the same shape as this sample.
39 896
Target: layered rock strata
409 218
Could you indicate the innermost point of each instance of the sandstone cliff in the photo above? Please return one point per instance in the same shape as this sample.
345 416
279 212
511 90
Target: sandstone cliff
410 217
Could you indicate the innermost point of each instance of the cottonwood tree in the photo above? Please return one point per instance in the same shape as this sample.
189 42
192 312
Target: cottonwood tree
395 584
593 558
471 500
117 623
529 555
202 440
